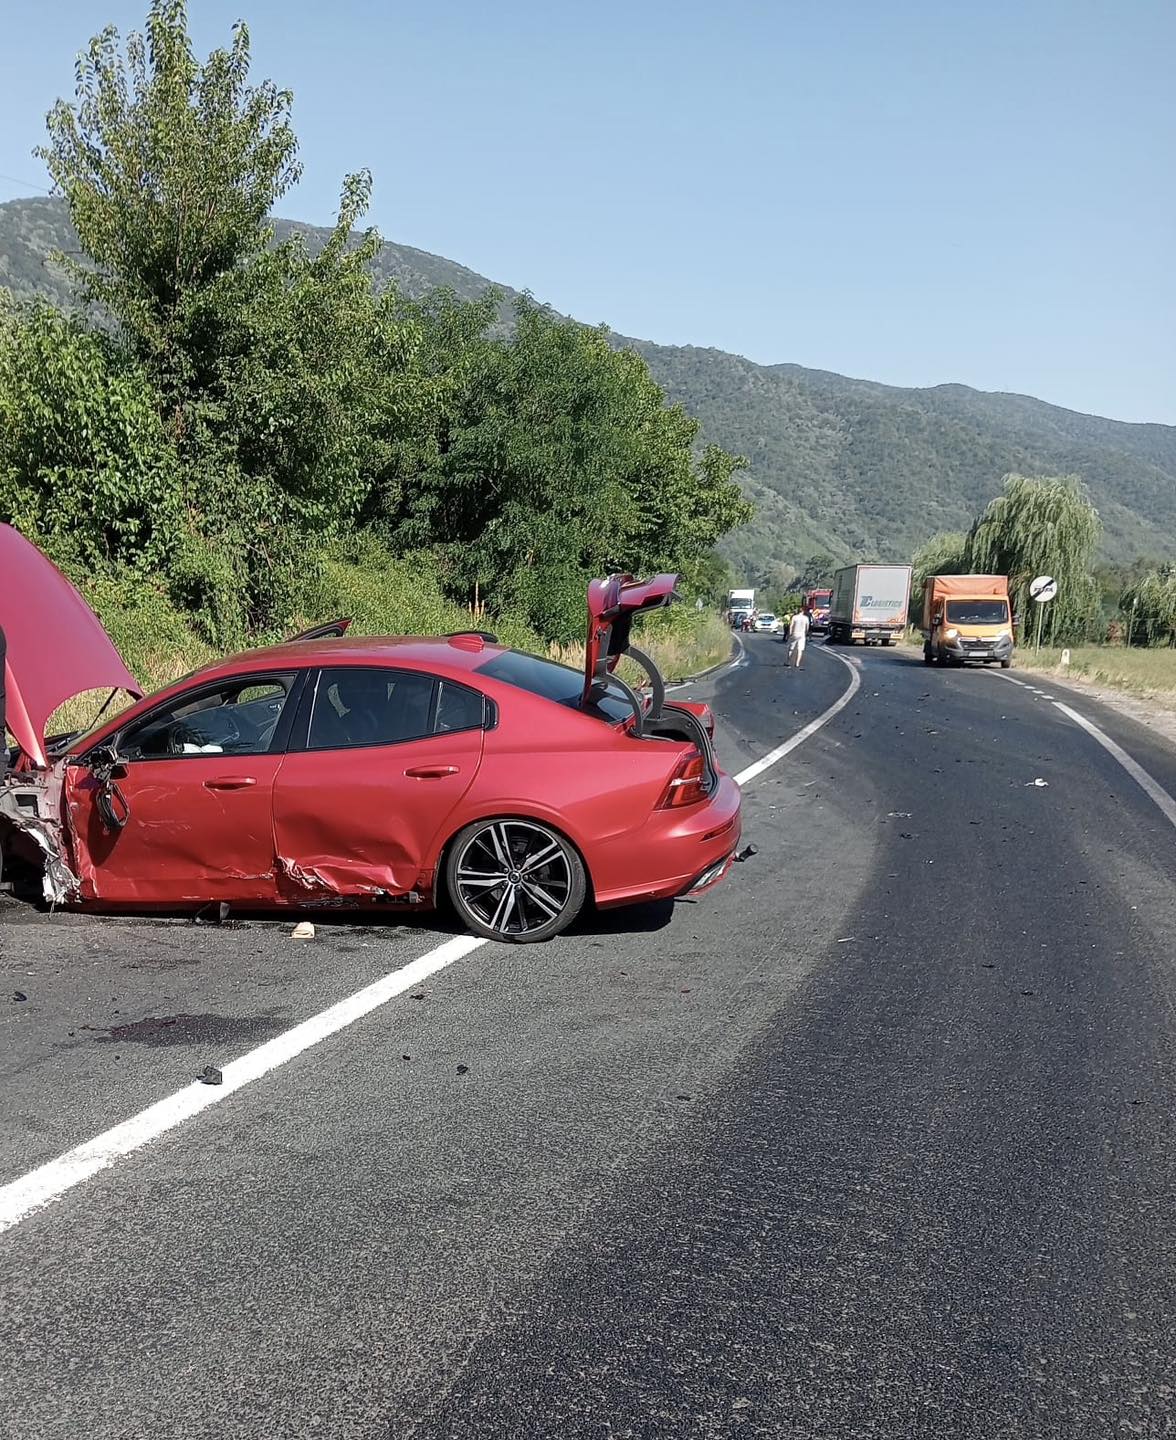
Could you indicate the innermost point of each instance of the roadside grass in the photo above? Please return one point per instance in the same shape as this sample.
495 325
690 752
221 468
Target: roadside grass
1150 673
1147 673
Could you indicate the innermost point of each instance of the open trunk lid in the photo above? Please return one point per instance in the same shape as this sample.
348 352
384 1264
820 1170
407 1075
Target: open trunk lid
612 604
56 646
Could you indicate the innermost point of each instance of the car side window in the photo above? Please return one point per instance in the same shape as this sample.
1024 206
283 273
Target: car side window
354 706
238 717
459 708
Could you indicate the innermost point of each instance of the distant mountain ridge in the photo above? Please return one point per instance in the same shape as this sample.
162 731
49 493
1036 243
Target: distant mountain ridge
852 468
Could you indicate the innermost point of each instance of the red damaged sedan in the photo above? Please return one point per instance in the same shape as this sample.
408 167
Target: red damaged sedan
331 771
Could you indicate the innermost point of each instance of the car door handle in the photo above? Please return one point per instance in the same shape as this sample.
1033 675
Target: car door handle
230 782
431 772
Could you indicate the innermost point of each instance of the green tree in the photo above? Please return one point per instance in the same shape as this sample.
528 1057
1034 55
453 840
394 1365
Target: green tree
85 463
944 554
553 456
817 571
1150 605
1044 526
277 373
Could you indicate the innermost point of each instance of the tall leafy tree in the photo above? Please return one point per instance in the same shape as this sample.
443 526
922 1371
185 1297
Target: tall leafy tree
1151 605
1043 526
275 370
554 455
945 554
85 462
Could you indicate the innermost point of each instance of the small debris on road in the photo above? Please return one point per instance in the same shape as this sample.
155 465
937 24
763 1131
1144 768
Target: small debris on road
19 995
304 930
1039 783
898 814
210 1075
463 1069
845 939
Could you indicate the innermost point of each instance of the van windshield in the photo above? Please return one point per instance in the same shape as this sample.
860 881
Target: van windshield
978 612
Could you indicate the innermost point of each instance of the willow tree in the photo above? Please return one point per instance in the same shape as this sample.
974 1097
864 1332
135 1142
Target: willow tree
1042 526
945 554
1151 603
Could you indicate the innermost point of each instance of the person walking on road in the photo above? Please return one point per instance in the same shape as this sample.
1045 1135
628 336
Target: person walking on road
798 629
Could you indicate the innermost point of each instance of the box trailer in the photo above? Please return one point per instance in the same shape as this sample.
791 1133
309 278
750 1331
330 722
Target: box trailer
869 603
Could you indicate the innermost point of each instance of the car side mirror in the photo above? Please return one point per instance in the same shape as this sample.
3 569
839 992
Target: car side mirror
106 762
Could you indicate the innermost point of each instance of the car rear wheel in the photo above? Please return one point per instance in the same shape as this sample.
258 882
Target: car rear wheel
515 880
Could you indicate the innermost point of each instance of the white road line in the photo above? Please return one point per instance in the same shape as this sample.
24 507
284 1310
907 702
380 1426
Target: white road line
1151 787
22 1197
855 680
1145 782
31 1192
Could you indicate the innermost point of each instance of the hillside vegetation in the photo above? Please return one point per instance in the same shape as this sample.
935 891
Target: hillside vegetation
223 429
846 468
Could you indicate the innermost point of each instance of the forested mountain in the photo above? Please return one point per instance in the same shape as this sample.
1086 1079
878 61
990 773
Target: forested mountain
846 467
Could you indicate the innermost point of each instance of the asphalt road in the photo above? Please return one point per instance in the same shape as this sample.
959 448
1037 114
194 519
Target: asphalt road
875 1140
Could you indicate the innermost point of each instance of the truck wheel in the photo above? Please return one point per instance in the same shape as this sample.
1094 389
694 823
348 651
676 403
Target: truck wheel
886 640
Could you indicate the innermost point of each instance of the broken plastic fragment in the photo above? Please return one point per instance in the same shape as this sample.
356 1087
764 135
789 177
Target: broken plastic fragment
304 930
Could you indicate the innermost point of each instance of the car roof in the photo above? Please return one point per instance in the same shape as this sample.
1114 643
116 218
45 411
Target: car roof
446 654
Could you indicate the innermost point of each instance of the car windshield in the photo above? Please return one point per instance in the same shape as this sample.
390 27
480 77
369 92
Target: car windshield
553 682
768 619
978 612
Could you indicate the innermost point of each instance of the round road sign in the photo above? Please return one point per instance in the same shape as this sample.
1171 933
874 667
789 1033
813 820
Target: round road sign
1045 587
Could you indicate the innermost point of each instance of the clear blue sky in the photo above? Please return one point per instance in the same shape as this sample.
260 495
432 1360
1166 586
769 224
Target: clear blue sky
915 191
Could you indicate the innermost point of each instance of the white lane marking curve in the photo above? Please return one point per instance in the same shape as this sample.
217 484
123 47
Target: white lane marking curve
770 759
1150 786
1146 782
38 1188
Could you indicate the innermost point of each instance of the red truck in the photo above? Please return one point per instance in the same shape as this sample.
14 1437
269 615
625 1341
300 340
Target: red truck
816 606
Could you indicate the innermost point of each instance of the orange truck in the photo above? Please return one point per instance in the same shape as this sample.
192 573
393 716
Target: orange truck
966 618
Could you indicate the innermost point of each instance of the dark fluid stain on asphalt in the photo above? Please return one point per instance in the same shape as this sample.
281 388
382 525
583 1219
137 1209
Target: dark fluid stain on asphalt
156 1030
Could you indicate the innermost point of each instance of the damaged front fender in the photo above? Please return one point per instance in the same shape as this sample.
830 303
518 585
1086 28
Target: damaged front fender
31 828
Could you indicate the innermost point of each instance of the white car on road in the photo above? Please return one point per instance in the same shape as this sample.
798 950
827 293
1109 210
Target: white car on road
766 624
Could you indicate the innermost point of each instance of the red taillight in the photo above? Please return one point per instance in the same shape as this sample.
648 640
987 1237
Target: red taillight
688 786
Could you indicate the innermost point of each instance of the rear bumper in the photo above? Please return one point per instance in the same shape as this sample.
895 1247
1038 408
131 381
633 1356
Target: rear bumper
674 853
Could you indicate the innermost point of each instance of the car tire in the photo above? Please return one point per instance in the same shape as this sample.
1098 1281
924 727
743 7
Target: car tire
516 910
1006 664
928 658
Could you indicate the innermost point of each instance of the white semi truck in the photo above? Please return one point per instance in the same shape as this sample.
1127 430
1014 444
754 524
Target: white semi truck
869 603
739 604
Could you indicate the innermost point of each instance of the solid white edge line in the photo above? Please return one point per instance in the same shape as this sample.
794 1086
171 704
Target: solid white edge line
31 1192
1150 786
758 768
1146 783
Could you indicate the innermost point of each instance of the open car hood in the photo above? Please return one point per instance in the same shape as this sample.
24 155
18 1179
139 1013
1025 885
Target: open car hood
57 647
612 604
